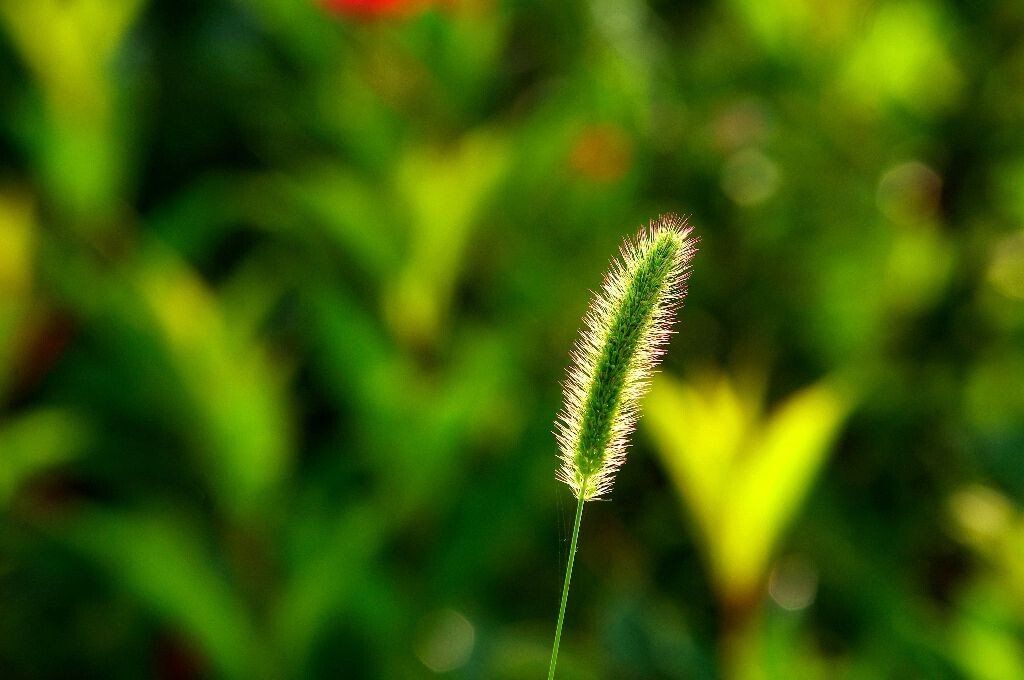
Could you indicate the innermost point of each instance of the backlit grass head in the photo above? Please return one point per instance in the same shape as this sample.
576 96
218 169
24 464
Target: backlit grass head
623 337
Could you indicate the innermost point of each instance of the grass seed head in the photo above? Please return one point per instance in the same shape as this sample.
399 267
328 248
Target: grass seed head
623 337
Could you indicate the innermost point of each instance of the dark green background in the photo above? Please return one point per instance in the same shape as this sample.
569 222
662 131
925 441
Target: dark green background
286 296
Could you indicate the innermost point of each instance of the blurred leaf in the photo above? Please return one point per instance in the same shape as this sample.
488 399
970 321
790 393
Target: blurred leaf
36 441
328 565
235 393
17 271
742 475
777 469
174 358
163 562
353 214
989 523
370 376
69 46
445 189
700 430
986 639
17 242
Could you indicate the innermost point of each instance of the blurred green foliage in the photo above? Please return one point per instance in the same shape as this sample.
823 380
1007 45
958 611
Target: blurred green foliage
286 292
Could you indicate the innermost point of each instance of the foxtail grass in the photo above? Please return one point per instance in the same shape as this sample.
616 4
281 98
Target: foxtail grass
624 335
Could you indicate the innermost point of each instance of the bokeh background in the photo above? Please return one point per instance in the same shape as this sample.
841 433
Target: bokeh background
287 291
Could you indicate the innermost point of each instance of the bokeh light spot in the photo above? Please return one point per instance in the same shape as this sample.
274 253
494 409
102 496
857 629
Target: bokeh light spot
909 193
981 512
741 124
793 584
446 641
749 177
1006 269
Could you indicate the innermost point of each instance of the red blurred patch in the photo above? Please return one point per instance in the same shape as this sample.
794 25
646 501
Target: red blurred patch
372 9
602 153
43 340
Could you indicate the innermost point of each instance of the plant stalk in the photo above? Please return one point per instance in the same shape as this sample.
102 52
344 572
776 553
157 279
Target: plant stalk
565 588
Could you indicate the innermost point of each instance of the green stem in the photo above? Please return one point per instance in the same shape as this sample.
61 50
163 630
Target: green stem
565 589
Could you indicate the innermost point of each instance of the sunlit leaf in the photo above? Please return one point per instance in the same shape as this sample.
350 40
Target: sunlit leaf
235 393
445 189
741 474
770 479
